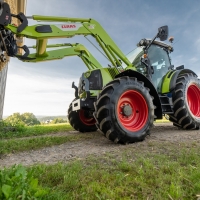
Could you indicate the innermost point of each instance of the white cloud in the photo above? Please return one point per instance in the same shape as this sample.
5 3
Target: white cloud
41 95
193 60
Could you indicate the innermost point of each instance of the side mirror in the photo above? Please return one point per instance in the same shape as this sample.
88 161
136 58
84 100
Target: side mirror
163 33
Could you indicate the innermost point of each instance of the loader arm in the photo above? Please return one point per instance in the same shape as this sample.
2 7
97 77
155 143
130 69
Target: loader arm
65 50
65 27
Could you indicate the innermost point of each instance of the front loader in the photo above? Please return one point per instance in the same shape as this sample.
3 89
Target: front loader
121 100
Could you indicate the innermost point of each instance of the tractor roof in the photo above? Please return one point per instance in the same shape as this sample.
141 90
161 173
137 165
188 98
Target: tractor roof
162 44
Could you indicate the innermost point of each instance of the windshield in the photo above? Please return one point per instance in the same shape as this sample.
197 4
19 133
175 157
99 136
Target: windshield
133 54
134 57
159 60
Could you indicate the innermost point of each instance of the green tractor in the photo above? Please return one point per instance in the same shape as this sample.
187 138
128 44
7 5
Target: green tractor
121 100
132 100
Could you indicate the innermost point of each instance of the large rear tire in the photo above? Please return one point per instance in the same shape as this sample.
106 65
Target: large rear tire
81 120
124 110
186 101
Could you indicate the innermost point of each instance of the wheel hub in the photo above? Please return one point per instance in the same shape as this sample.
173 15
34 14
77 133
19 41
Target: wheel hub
86 118
132 110
127 110
193 98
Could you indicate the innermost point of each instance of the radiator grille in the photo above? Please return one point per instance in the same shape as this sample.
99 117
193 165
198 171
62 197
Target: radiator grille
113 72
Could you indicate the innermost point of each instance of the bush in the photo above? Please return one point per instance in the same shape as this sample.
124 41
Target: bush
8 127
17 183
27 119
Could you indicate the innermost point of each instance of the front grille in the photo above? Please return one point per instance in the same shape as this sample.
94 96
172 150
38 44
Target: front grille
113 72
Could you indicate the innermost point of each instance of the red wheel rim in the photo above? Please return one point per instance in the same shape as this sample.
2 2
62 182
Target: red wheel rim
137 119
193 99
89 121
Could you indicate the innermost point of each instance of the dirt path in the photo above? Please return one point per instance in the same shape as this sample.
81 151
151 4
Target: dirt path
161 133
59 134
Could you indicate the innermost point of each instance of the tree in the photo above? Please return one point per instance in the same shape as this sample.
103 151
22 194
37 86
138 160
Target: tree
28 119
57 121
15 119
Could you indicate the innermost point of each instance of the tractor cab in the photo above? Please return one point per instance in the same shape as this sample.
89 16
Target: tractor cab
157 58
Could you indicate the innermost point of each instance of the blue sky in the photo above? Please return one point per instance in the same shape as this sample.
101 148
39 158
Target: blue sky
45 88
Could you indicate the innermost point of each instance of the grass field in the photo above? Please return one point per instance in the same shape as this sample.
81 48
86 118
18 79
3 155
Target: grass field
14 146
128 176
158 171
18 141
159 174
36 130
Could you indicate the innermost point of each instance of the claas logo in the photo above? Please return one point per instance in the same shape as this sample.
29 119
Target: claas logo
69 26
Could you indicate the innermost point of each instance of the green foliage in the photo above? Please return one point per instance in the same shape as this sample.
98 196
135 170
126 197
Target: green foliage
17 183
3 125
28 119
14 119
26 131
58 120
7 127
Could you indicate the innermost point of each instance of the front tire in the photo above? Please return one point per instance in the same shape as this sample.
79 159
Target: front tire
186 101
124 110
81 120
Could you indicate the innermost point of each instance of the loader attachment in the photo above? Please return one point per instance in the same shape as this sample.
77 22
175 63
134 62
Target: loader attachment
8 43
5 16
64 27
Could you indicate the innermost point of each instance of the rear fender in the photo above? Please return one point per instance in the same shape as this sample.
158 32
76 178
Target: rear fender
168 82
175 76
148 84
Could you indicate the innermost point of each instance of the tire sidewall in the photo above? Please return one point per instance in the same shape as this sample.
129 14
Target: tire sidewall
77 123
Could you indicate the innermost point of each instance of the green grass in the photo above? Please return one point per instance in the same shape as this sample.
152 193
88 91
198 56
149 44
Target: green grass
13 145
152 171
36 130
129 175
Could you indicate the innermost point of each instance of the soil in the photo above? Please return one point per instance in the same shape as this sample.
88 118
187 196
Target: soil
161 133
